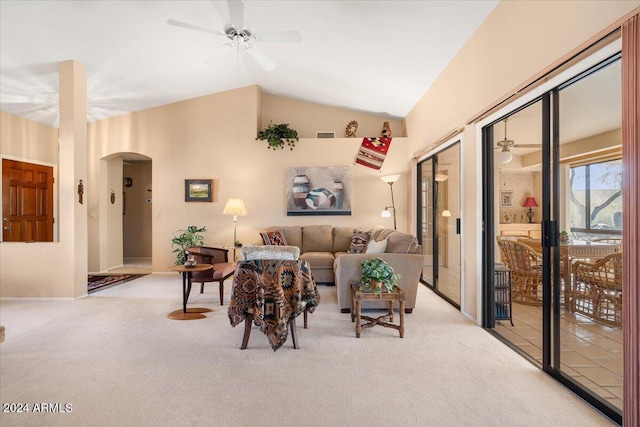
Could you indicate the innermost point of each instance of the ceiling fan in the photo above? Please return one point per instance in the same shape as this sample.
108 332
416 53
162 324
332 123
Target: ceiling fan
240 34
505 155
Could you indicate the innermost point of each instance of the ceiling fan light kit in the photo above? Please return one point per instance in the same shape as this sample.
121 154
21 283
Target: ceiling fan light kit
505 155
240 34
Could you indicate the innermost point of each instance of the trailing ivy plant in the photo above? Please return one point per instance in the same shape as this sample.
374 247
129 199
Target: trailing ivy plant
377 270
187 239
277 135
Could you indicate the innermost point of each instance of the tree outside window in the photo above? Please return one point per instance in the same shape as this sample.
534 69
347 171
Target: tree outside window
596 198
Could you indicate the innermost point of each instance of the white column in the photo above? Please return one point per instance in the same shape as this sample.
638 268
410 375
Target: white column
73 169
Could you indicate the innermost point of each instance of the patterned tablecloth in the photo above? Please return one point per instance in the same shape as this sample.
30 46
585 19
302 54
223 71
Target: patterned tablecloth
271 293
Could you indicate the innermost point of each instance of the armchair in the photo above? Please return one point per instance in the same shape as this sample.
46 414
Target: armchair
597 289
525 265
222 268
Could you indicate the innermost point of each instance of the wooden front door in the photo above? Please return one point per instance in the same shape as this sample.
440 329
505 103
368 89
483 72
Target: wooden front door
27 202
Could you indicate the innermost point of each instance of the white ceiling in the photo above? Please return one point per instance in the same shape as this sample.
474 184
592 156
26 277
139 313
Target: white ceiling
371 56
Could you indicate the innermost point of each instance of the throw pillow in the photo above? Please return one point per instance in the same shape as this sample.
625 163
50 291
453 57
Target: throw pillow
359 241
374 247
275 238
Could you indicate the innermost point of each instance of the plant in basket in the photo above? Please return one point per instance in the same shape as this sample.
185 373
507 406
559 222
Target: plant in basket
376 274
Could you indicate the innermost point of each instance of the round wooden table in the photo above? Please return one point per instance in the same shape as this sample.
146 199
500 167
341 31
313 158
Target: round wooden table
192 313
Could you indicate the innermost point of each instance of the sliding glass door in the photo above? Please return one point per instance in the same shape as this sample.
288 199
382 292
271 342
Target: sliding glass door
439 222
552 232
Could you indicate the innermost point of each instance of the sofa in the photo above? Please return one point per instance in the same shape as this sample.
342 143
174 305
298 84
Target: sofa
327 249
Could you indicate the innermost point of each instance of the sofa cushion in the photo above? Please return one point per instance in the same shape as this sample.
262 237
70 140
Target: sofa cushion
318 259
359 241
382 233
374 247
317 238
275 238
401 243
342 238
375 232
292 234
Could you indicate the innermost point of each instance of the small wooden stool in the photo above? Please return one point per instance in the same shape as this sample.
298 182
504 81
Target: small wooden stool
357 296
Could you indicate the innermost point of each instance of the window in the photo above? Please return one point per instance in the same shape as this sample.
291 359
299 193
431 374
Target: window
596 198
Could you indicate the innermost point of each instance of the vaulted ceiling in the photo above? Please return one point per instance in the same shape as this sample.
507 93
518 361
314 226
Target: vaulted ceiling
370 56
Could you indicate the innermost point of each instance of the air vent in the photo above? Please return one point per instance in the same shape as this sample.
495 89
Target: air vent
325 134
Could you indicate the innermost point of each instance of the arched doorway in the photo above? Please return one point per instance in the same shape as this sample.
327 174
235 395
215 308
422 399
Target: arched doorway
122 240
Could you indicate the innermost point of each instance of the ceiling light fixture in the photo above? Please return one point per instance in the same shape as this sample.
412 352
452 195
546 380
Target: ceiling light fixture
505 156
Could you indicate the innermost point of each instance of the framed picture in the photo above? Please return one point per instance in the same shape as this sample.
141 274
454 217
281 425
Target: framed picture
198 190
318 191
506 199
128 182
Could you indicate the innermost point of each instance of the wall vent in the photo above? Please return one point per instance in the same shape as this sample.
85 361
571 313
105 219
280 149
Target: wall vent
325 134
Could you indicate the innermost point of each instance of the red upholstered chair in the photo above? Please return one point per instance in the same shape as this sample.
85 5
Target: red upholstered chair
222 268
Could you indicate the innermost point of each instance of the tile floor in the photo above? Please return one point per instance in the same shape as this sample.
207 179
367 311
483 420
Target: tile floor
132 266
591 353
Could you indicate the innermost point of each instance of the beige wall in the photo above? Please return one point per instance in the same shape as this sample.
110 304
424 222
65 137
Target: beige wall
285 110
518 40
57 269
213 137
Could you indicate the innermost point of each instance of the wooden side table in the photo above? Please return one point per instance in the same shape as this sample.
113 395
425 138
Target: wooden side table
192 313
386 320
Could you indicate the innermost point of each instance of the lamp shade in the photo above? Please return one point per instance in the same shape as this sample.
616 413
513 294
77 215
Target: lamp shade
385 213
446 212
234 207
390 179
530 203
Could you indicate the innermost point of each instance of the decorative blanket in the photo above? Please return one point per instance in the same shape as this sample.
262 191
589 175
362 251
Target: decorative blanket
271 293
373 151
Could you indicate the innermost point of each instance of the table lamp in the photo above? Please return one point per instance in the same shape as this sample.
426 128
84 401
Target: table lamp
530 203
234 207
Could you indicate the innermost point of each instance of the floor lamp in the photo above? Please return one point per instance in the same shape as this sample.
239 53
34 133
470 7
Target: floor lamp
390 179
234 207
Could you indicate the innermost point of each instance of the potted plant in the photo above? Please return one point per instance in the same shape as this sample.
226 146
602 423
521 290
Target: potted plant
277 135
376 273
564 236
187 239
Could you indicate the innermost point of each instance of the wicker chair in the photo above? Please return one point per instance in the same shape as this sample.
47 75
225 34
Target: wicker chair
525 265
597 289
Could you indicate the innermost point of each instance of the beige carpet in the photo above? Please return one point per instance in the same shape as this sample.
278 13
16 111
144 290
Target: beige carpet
118 360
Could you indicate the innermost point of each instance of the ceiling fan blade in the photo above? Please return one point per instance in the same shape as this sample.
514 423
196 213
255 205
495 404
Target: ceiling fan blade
261 58
279 36
193 27
527 145
236 13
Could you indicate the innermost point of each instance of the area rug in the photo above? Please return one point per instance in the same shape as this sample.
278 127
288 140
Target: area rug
98 281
